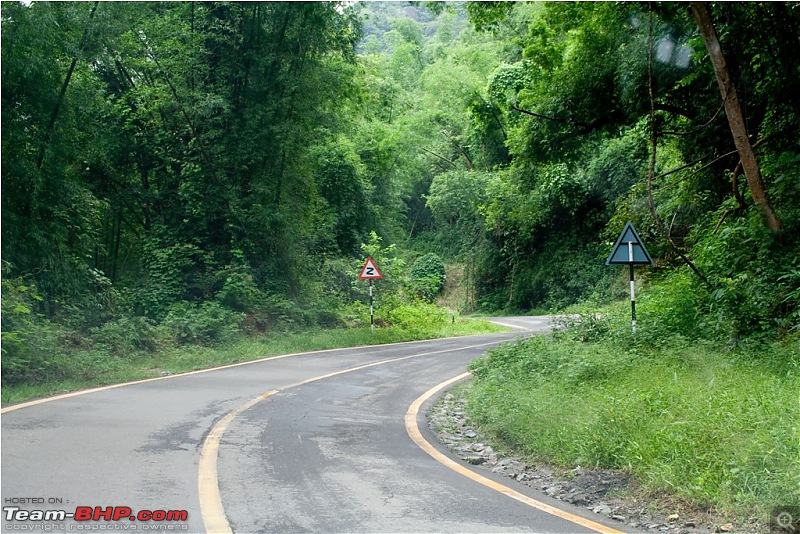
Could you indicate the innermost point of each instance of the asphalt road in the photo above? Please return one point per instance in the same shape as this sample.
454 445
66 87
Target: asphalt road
306 443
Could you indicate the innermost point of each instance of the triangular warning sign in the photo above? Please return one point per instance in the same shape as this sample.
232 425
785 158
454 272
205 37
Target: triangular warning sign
629 249
370 271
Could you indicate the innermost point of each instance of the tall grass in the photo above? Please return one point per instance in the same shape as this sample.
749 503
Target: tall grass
717 427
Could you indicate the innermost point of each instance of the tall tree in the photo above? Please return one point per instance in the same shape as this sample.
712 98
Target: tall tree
733 111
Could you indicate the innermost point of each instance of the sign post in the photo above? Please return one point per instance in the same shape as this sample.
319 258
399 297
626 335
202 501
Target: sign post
630 250
370 272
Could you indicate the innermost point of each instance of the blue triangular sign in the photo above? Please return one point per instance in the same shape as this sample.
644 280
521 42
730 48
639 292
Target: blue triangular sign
629 249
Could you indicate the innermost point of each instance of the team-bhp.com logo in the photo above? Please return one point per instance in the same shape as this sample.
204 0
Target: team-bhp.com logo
94 514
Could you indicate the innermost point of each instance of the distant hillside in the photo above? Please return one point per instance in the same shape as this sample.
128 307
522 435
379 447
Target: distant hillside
380 20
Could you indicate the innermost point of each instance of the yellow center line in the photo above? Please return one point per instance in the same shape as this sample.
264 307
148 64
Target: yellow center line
414 432
211 507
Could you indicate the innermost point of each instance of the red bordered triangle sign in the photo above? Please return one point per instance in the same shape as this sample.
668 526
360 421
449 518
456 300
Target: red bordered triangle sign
370 271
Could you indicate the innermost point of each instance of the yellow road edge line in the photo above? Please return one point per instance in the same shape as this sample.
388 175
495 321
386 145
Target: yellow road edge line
44 400
416 435
211 508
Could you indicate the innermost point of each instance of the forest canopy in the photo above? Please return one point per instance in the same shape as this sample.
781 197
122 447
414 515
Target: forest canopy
228 163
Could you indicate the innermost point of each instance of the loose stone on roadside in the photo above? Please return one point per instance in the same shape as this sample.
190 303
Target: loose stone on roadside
602 492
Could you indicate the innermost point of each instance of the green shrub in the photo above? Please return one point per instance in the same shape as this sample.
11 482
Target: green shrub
29 341
35 354
127 335
276 312
750 270
427 277
173 271
239 292
207 323
417 317
673 307
355 314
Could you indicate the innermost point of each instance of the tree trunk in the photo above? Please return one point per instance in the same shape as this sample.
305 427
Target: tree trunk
734 112
651 168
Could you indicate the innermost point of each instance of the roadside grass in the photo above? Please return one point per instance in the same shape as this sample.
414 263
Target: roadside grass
93 368
717 427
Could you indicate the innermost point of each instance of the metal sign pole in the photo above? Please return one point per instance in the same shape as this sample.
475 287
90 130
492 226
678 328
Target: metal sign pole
633 288
371 310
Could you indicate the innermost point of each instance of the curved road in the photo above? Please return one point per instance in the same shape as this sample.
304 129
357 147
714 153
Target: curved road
313 442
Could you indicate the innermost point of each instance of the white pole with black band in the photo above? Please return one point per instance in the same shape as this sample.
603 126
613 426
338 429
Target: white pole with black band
371 309
633 287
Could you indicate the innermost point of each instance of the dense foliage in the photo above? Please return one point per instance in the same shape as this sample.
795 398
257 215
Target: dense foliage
428 276
613 114
702 427
180 172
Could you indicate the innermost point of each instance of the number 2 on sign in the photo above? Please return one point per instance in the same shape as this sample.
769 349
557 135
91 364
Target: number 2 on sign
370 271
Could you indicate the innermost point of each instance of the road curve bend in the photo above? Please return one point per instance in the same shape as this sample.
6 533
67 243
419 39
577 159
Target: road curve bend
313 442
